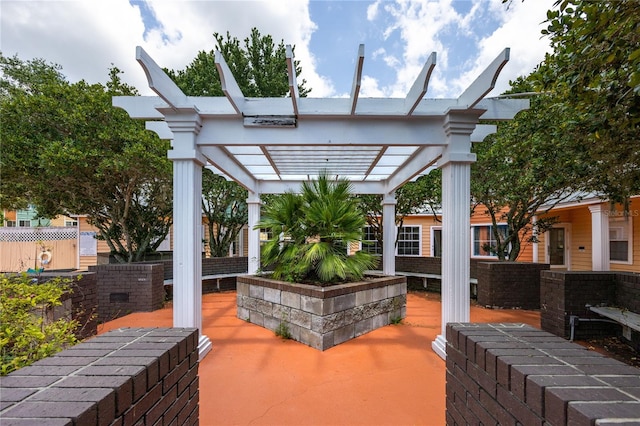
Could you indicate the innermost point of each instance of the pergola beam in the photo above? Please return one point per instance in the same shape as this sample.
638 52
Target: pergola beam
421 160
293 81
357 79
366 132
229 84
219 108
485 82
159 81
225 162
420 86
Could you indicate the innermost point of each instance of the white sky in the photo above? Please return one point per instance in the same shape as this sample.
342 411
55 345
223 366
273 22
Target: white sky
87 36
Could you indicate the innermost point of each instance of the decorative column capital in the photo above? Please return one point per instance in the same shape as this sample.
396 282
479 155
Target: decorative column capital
185 124
389 199
458 127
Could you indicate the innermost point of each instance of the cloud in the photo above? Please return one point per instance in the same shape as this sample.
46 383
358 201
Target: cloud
463 49
85 37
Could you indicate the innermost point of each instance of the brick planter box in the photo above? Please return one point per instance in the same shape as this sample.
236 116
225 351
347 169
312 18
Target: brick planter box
322 317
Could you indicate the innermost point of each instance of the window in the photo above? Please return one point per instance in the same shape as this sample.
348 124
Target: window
619 239
24 223
369 242
409 240
265 235
484 242
70 223
10 223
436 242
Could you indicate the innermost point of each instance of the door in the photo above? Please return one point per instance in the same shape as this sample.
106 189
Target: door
557 248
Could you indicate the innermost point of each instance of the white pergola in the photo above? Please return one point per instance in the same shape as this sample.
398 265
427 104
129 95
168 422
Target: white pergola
271 145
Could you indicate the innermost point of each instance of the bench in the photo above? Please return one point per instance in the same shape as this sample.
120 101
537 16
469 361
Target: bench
216 277
629 320
425 277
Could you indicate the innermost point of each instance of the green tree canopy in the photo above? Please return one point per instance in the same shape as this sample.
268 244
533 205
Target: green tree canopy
260 68
66 150
594 72
524 169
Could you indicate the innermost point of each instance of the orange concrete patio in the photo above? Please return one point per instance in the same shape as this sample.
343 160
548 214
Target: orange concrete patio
387 377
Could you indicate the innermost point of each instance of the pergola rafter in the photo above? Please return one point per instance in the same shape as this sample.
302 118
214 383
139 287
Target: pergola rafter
272 145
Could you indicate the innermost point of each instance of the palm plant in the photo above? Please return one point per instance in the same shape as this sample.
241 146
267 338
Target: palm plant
311 233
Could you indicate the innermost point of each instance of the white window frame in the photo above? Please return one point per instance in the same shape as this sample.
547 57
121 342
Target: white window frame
10 223
432 242
419 240
480 225
70 223
622 225
375 242
398 241
22 223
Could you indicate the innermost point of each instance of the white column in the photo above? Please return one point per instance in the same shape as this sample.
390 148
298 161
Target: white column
600 256
187 225
456 227
536 248
389 234
253 235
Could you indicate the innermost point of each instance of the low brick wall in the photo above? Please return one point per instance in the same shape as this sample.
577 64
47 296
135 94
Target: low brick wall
322 317
564 294
628 291
127 288
509 284
84 299
513 374
124 377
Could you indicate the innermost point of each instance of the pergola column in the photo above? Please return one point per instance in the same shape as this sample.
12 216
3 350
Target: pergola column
456 234
389 233
253 211
187 225
600 252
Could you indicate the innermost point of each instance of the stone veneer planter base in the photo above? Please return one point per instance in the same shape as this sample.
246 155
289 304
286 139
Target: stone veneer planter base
322 317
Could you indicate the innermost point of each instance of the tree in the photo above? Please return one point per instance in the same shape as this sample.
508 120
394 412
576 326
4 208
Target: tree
66 150
425 193
595 71
224 205
524 170
260 69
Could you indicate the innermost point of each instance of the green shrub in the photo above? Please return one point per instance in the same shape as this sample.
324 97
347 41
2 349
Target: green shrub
311 232
27 331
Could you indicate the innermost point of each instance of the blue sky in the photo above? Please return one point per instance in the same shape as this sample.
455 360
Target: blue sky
85 37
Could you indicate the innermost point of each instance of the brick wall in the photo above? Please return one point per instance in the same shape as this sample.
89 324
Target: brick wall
628 291
563 294
509 284
84 299
126 288
513 374
124 377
